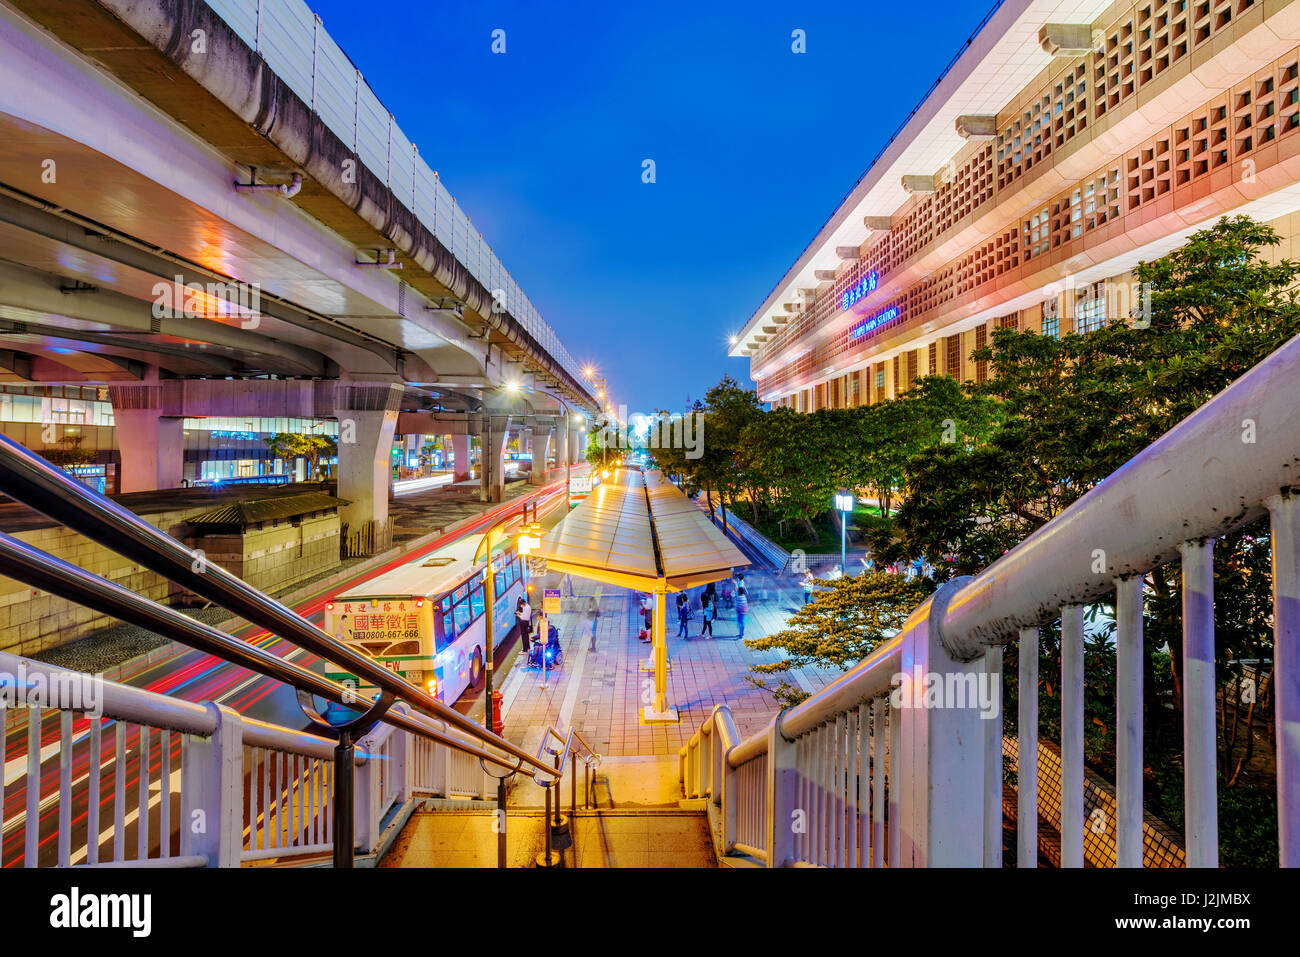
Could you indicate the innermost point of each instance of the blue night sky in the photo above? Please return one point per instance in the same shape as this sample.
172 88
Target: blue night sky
754 146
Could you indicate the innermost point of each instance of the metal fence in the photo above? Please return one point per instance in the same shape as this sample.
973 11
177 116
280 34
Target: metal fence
868 772
143 779
290 38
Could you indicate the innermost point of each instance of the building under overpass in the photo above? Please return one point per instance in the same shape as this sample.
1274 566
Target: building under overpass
207 217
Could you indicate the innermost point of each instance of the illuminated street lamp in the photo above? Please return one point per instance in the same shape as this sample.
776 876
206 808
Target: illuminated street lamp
844 503
529 540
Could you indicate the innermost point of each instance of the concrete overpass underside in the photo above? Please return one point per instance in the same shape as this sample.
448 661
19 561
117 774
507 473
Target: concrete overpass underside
129 259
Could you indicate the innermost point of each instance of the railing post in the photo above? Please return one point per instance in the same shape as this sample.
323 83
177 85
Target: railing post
940 765
1284 514
1128 719
1072 736
442 761
993 761
1027 752
1200 755
212 792
344 800
782 795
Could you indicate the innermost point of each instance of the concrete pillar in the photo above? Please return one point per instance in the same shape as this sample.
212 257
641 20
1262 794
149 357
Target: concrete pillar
367 415
460 458
541 439
152 447
492 485
151 444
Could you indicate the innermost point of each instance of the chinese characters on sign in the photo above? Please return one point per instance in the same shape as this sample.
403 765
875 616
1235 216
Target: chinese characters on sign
865 287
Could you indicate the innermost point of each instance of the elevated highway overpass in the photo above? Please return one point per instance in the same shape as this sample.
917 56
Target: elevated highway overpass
208 214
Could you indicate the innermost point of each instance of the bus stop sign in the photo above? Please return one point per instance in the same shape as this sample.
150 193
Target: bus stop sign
551 602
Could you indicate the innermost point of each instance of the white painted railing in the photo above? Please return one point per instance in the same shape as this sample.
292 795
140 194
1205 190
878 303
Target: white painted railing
215 788
846 778
290 38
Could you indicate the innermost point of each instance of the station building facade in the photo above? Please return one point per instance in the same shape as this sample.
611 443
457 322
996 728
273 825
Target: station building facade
1066 143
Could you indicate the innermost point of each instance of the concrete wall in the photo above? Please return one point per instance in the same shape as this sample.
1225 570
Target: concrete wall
269 558
279 555
31 621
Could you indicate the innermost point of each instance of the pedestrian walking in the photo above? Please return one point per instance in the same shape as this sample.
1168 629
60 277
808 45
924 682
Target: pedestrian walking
742 606
807 585
523 621
708 613
683 615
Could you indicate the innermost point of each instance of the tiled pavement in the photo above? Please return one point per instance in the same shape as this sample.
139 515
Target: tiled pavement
600 690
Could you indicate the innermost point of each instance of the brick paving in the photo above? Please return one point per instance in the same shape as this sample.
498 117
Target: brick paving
601 690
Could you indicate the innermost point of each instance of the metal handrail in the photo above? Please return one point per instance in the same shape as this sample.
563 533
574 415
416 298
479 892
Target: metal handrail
28 478
592 760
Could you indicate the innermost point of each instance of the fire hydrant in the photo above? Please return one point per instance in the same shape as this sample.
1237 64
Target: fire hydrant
497 725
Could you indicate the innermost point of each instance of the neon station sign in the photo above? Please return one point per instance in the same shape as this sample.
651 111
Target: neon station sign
874 323
864 287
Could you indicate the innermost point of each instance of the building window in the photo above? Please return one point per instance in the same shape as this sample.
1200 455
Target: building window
1090 309
952 359
880 382
912 357
933 364
1011 322
898 367
1051 320
981 365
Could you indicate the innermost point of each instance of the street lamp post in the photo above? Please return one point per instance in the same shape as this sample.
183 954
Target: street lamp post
529 538
844 503
568 425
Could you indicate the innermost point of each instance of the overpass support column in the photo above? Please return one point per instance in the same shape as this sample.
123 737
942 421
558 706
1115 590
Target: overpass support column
460 458
367 415
151 444
492 467
542 439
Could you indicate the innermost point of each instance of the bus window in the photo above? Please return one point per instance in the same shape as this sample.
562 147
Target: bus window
448 634
463 616
476 601
499 582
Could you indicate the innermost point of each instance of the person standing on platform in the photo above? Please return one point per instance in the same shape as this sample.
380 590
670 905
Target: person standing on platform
708 612
523 621
683 615
742 606
647 616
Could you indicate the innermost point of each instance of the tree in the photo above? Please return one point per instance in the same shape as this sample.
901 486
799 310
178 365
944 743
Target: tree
68 453
847 620
287 446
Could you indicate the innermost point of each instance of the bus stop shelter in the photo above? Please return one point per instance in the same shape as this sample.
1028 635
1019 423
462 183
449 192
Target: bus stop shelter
637 530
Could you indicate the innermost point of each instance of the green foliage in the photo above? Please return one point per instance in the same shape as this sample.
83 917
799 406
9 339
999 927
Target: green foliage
292 445
68 453
847 620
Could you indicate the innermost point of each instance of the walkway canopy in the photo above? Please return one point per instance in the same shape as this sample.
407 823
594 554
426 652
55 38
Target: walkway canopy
637 530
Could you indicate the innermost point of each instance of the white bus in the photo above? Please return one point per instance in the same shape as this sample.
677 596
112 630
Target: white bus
425 619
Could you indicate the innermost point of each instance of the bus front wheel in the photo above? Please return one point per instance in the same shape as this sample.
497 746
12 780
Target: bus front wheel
476 669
